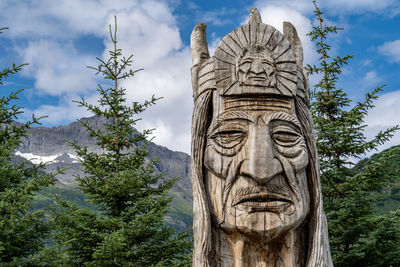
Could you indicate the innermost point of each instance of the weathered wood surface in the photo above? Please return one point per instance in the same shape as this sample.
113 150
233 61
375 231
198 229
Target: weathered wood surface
255 172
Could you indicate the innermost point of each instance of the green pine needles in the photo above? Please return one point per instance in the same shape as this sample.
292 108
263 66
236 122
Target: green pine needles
22 230
128 228
350 196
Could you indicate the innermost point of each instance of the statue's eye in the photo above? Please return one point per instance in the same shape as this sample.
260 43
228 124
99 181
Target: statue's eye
228 139
285 136
245 66
267 63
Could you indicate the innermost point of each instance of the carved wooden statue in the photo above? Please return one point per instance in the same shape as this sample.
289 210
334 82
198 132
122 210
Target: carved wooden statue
255 170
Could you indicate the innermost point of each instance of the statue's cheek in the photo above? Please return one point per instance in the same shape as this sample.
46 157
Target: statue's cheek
301 161
219 163
296 155
215 162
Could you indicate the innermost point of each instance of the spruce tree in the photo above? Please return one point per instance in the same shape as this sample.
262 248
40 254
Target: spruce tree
128 228
350 196
22 230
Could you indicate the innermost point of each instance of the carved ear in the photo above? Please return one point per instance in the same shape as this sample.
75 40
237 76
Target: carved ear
198 44
289 31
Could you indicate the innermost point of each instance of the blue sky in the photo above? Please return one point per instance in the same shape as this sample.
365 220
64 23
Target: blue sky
59 38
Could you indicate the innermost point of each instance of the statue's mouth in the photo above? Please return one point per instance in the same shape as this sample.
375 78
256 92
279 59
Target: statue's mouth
257 78
263 202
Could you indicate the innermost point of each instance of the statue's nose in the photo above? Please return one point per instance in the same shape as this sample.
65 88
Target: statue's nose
260 163
257 67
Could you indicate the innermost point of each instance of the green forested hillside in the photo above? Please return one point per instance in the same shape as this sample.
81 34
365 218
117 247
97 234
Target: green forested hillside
50 141
179 216
391 199
46 197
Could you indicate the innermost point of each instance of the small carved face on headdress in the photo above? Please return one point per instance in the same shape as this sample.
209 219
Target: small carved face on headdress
256 67
254 59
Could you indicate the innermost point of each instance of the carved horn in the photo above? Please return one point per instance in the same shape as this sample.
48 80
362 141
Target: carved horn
289 31
199 49
255 16
198 44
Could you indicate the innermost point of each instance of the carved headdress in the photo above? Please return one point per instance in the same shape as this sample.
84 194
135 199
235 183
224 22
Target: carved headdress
283 79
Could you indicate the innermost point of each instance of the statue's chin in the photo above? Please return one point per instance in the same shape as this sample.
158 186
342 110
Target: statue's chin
267 226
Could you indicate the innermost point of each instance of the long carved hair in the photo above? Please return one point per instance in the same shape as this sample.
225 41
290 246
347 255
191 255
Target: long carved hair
318 253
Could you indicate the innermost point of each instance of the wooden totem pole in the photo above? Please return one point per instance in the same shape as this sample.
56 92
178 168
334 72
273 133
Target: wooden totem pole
255 171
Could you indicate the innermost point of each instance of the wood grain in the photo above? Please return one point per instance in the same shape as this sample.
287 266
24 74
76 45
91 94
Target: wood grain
254 166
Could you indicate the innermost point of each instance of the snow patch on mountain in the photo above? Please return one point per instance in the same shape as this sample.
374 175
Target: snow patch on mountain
75 158
36 159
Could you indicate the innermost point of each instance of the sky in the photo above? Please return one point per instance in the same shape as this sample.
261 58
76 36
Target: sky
60 38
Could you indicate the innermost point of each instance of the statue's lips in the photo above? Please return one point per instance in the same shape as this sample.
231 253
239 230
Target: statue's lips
257 78
258 202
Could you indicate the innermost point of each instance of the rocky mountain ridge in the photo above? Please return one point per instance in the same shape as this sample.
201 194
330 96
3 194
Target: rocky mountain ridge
49 145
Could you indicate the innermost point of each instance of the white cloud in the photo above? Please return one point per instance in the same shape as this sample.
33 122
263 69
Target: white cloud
170 79
157 48
338 7
146 28
165 134
386 7
150 40
367 62
213 43
217 18
69 18
302 6
371 78
275 15
57 68
149 29
384 115
391 50
62 112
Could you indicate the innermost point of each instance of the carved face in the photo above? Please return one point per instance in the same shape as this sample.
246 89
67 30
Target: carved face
255 67
256 160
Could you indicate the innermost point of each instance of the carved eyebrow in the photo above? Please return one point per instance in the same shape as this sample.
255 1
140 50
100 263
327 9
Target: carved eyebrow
231 115
285 117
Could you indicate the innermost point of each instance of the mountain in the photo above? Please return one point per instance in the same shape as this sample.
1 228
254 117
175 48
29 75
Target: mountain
49 145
